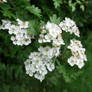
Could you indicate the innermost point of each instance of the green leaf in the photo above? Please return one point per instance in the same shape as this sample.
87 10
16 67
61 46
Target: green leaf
5 6
69 73
57 3
34 27
35 10
55 19
7 13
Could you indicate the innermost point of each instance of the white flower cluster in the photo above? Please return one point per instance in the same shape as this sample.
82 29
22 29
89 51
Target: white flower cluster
69 25
19 32
51 33
78 53
39 63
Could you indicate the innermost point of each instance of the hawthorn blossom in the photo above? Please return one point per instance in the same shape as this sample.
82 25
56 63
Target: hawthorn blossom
78 53
69 25
51 33
40 63
19 32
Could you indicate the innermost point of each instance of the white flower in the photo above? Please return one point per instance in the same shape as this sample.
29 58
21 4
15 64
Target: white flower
28 68
13 38
48 38
69 25
42 70
15 42
53 29
39 63
5 24
76 31
56 51
69 22
80 63
82 54
51 33
12 29
72 61
23 24
41 39
58 42
50 66
19 32
78 53
39 76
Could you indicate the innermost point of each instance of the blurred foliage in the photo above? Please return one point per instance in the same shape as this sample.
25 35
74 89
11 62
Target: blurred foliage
64 78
